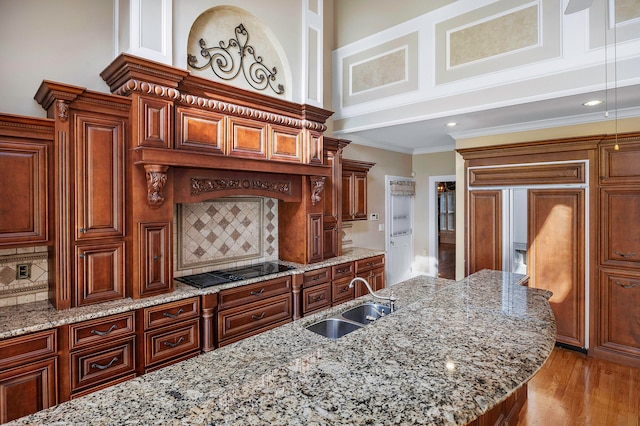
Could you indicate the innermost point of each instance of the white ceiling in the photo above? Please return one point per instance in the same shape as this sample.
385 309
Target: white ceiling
432 135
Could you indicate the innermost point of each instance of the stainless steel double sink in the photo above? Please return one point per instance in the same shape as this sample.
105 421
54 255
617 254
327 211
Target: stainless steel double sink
350 320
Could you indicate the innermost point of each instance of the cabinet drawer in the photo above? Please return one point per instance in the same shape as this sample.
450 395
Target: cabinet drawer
369 263
316 297
343 270
249 318
23 349
315 277
253 292
171 341
341 292
101 330
95 366
170 313
619 298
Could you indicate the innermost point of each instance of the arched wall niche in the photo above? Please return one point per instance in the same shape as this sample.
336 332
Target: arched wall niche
225 30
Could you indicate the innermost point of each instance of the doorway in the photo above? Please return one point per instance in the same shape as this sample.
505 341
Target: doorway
442 226
446 213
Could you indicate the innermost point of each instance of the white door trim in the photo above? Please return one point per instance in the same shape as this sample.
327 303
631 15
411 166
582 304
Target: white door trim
432 267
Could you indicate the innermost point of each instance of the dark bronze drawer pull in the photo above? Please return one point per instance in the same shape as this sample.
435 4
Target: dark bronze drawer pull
316 277
317 298
104 333
176 315
630 285
342 271
253 293
104 367
343 289
258 317
173 345
626 256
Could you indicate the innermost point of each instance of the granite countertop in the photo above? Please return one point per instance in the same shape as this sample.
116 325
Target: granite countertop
38 316
451 351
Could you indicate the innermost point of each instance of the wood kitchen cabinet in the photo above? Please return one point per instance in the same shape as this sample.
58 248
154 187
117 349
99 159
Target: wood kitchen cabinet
28 374
316 290
25 161
341 276
89 256
354 189
250 309
171 333
372 270
332 198
96 354
616 326
547 189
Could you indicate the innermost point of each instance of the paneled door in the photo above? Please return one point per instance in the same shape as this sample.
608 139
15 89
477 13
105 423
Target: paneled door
557 256
399 223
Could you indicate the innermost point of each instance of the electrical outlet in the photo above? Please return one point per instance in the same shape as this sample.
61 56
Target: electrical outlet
381 227
23 271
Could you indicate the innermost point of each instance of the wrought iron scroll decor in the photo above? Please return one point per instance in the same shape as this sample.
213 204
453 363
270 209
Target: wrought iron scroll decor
221 60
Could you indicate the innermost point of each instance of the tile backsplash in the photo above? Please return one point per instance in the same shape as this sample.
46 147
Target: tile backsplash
14 291
216 234
224 233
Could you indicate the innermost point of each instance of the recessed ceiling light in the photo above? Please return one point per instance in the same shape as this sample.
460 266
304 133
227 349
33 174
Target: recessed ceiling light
451 124
593 103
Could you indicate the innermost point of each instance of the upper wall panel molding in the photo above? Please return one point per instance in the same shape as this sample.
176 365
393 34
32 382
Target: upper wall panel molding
473 55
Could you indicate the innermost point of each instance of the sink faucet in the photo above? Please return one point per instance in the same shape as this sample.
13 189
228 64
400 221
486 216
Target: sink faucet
375 295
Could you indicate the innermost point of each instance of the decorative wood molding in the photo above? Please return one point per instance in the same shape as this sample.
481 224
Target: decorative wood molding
156 180
317 186
63 110
203 185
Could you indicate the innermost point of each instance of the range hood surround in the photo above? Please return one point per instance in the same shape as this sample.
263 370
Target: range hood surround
168 97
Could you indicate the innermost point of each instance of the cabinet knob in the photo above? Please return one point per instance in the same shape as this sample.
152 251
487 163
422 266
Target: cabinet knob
625 255
104 367
258 317
156 257
168 315
630 285
173 345
82 230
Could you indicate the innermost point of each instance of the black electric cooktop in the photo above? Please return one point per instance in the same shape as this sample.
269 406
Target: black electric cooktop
213 278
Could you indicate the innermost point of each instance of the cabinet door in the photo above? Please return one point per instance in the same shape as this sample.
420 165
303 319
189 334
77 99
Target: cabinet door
330 241
620 243
557 256
619 325
155 258
619 162
315 235
360 196
100 273
99 177
347 196
485 230
27 389
23 209
375 278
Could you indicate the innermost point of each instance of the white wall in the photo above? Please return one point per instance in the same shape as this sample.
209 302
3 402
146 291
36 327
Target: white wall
72 41
69 41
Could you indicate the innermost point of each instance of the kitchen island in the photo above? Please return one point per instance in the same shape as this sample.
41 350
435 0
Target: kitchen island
452 351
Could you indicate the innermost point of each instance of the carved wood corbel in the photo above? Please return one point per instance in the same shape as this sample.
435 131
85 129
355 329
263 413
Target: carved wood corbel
156 179
317 186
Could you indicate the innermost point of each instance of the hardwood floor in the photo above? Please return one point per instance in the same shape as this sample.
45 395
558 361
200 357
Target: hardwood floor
573 389
447 261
